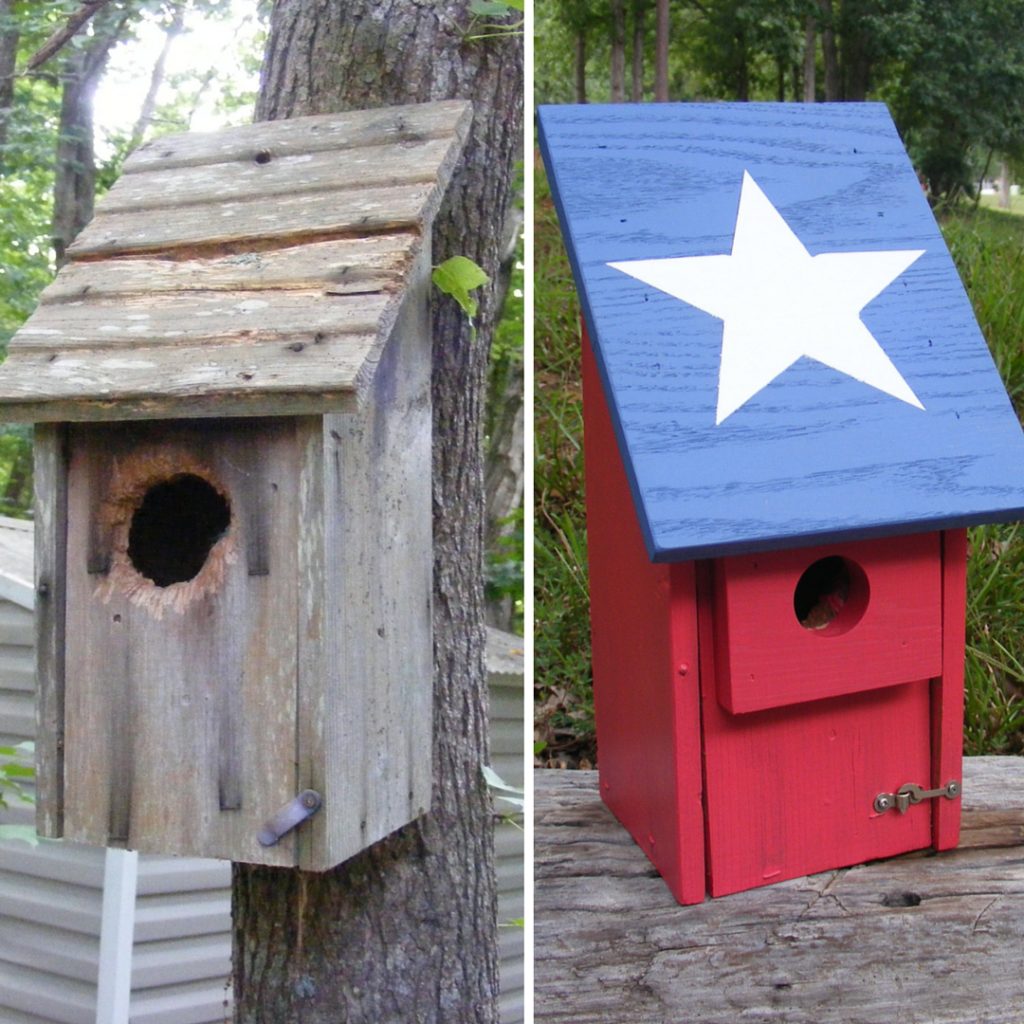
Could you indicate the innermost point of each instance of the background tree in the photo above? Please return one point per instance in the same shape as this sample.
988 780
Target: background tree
406 930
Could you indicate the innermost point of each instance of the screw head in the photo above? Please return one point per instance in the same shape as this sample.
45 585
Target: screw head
953 788
883 802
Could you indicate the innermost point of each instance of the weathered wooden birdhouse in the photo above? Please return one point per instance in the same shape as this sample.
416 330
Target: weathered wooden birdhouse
790 418
231 380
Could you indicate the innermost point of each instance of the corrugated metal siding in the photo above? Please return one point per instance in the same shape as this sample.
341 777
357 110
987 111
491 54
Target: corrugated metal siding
181 965
505 676
51 899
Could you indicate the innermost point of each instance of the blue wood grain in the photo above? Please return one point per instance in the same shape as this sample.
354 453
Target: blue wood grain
815 456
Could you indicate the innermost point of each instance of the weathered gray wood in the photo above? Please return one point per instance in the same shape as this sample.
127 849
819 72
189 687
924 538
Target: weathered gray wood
369 264
929 939
180 724
142 324
51 500
229 254
403 163
339 131
240 223
377 719
325 372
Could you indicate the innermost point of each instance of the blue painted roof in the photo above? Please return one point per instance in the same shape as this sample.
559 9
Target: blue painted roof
816 454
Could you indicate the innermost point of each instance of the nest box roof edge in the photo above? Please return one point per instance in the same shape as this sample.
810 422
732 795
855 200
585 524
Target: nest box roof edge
256 270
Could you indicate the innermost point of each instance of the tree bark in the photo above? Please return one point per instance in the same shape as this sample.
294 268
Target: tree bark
9 37
75 182
661 53
406 930
829 53
618 56
581 65
639 38
810 59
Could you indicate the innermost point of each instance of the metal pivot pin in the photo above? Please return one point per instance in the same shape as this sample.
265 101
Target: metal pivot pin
293 814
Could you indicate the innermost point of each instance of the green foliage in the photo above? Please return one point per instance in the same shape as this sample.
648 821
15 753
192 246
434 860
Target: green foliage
457 277
988 248
564 720
16 769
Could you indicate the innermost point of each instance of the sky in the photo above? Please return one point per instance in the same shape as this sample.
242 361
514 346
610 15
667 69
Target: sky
208 43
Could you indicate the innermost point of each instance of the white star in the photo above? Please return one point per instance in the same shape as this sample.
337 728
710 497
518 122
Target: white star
780 303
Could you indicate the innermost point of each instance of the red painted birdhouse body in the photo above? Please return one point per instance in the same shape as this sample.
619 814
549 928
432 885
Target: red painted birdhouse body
741 747
791 417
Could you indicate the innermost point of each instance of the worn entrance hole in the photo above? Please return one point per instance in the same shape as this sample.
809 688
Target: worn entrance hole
174 528
831 596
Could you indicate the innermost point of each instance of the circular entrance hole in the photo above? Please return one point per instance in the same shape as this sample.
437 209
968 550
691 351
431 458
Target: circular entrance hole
831 596
176 524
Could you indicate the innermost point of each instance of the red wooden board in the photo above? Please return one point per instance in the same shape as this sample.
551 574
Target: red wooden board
644 652
885 627
948 691
790 790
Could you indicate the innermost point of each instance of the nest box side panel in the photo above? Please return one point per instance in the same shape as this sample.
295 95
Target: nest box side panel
181 648
948 690
644 630
377 721
51 498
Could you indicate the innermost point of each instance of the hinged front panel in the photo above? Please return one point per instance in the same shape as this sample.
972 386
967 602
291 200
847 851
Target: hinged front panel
803 625
180 704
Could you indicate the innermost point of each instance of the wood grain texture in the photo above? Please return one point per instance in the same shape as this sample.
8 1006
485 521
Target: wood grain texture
927 940
766 658
816 456
241 273
644 650
376 718
342 265
405 123
380 166
180 729
50 512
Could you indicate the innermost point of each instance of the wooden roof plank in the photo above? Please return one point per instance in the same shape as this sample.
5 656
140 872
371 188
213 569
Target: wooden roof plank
403 163
283 219
150 383
338 131
222 319
375 262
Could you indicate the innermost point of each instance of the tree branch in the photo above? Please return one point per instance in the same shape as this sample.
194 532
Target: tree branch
60 38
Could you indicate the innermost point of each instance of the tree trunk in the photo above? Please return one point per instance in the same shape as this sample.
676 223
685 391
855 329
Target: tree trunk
581 65
156 79
406 930
9 37
829 53
639 36
661 53
810 60
1004 185
618 58
75 181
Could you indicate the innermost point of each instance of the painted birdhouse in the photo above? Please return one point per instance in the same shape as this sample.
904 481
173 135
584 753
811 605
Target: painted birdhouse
790 418
231 380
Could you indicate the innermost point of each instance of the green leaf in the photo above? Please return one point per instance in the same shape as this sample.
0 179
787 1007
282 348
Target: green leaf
457 277
20 833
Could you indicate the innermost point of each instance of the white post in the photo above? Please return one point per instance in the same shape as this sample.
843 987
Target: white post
117 933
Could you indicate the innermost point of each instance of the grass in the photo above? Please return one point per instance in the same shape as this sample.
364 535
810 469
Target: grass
988 247
565 710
